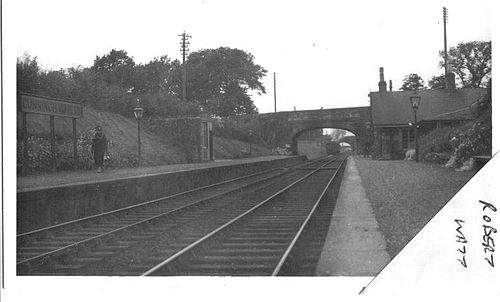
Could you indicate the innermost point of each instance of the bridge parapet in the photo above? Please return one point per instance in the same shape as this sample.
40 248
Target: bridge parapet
353 119
277 129
351 114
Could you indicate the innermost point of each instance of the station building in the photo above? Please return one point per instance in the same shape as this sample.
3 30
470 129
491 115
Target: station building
392 116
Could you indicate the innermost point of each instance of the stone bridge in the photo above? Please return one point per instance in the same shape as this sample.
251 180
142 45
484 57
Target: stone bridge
353 119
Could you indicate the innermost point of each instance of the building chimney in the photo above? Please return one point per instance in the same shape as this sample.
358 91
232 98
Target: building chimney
390 85
382 85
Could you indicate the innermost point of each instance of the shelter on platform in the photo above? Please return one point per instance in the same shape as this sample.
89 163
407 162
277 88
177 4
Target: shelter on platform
393 117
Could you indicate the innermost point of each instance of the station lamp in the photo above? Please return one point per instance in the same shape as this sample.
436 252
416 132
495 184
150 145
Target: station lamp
415 103
138 112
250 133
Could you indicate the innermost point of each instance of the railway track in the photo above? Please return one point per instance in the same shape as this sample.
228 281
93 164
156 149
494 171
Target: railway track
133 240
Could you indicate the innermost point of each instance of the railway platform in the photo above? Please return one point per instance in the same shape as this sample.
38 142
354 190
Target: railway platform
47 199
91 176
381 206
354 246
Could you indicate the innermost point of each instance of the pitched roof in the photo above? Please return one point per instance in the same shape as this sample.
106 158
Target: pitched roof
457 115
393 107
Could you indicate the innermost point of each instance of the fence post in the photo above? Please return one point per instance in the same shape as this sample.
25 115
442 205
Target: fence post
74 144
25 145
53 143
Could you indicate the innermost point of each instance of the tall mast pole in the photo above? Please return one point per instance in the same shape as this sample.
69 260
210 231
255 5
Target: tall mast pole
445 19
184 49
274 73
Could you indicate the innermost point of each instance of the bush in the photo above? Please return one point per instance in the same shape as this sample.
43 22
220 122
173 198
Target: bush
228 130
237 128
463 142
436 141
440 158
468 165
475 137
474 140
40 156
435 145
451 163
282 151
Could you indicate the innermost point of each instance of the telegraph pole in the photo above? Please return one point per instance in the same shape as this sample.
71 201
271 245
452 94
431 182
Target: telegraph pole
274 73
445 19
184 49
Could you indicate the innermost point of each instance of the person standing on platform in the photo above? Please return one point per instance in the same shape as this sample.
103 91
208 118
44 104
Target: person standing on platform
99 146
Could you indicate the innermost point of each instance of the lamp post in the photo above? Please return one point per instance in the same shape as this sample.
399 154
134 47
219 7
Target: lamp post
250 134
138 112
415 102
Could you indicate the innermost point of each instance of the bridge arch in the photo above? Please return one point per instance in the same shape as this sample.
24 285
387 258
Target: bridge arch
353 119
296 133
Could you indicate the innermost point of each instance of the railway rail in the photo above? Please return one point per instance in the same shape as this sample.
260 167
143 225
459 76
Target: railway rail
159 237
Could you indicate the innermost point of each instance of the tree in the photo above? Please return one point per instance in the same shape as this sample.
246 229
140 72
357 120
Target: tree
154 76
232 101
28 74
58 84
472 62
113 60
437 82
32 79
412 82
220 80
337 134
116 68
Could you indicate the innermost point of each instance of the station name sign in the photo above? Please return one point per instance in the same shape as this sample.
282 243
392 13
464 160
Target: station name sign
42 105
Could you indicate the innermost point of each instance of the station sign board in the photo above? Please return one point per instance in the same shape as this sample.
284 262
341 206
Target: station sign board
50 106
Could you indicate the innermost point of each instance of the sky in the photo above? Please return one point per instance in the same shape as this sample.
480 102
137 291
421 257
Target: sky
324 53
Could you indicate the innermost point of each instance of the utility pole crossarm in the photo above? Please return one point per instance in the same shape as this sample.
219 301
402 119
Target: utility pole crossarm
274 73
184 49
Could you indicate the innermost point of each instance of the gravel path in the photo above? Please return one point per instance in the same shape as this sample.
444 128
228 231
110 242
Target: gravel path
406 195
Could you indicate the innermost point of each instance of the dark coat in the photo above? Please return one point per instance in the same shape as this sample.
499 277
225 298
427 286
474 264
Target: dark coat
99 143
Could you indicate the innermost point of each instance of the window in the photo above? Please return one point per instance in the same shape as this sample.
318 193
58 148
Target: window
408 137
